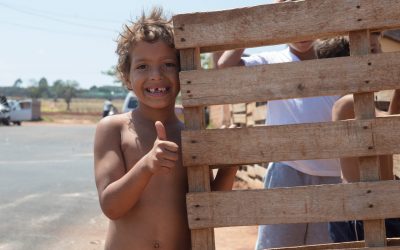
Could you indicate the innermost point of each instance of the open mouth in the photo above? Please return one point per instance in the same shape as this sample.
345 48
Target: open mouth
158 91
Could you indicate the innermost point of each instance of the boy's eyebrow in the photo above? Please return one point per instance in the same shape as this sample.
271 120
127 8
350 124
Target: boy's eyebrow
136 60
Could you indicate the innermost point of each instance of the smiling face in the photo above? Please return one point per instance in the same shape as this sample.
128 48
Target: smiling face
303 46
154 74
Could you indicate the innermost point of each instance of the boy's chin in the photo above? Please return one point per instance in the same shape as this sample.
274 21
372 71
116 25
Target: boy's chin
159 106
302 47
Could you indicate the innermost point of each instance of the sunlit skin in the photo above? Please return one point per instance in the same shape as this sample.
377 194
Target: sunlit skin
138 168
139 174
151 72
344 109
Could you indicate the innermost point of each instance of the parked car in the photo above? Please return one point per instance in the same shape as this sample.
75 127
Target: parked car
4 111
130 103
24 110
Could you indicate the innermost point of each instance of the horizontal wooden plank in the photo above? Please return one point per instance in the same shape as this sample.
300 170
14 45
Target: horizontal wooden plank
332 76
307 204
282 23
391 242
292 142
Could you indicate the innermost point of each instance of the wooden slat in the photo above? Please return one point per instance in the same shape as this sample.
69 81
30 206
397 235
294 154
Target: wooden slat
332 76
282 23
364 108
392 243
307 204
198 177
292 142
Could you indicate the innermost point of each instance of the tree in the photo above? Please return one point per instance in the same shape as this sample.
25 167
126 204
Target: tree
113 73
17 83
33 92
43 87
69 91
66 90
206 61
57 90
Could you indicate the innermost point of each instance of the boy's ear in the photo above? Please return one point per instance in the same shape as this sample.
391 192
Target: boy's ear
128 84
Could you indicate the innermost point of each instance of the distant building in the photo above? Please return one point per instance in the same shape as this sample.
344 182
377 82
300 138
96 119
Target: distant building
391 41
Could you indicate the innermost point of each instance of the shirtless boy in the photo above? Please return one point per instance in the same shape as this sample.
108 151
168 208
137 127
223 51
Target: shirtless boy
138 169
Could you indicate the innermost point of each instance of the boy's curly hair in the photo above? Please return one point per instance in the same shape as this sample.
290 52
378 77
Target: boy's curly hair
151 28
333 47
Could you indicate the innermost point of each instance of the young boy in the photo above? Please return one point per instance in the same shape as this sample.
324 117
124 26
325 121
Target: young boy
292 173
139 174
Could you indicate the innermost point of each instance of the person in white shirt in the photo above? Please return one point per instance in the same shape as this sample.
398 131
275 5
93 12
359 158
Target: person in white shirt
292 173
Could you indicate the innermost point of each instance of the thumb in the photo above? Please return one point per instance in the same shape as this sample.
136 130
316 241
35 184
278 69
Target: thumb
161 134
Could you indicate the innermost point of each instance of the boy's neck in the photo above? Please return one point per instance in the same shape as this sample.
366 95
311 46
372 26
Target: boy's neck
309 55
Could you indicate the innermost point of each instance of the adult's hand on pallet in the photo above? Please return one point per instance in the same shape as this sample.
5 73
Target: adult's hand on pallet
164 155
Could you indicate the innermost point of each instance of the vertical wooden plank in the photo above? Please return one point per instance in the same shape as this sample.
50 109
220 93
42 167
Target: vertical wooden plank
364 108
198 177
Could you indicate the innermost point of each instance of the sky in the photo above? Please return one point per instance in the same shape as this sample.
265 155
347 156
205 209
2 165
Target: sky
75 39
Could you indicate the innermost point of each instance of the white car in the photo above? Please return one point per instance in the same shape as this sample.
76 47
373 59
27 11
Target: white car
4 113
23 110
130 103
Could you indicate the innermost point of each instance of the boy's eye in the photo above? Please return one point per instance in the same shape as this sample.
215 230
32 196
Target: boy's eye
141 66
169 65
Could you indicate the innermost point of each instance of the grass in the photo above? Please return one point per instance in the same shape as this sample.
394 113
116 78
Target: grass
83 106
82 111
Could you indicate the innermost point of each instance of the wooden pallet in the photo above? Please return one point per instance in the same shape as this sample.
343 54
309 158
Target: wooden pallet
366 137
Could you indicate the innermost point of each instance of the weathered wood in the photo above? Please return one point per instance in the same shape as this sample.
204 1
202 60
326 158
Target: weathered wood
292 142
307 204
198 177
364 108
287 22
332 76
392 243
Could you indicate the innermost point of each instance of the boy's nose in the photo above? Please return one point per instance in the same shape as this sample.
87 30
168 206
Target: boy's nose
155 73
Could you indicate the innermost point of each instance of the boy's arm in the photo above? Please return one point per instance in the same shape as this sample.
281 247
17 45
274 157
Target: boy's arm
119 190
343 109
394 107
224 179
231 58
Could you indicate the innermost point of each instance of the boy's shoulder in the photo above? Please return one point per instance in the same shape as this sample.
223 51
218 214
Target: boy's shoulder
114 122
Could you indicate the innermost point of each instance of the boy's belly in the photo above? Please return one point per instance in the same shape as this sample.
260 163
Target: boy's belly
163 226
